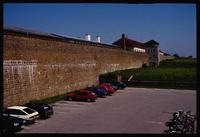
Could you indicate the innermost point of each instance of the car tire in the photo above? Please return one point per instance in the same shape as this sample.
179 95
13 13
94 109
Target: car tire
110 94
4 131
89 100
69 99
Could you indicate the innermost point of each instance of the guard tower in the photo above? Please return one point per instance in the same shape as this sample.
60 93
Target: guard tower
152 49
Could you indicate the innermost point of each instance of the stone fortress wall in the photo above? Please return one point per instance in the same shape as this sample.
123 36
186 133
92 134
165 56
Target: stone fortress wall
36 67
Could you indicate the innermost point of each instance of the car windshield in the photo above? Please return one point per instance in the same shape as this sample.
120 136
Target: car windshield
28 110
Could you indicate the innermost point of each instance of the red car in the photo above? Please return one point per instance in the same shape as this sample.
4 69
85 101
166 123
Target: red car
108 88
82 95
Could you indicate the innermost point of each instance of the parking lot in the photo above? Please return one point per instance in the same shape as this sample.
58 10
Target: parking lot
132 110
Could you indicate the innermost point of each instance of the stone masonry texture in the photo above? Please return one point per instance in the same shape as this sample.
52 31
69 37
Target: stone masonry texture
36 67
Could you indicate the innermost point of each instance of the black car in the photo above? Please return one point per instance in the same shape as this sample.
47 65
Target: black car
119 85
43 109
10 125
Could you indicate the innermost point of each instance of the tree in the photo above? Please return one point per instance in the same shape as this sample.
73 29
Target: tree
176 55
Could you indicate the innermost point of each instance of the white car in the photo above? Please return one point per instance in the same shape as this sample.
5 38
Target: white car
21 112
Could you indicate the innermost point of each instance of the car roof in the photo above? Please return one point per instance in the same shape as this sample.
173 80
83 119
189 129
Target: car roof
17 107
36 105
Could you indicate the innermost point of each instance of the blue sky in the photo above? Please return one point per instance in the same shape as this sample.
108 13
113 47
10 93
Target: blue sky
172 25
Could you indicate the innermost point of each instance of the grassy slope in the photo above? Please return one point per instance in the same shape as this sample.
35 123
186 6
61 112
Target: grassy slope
178 70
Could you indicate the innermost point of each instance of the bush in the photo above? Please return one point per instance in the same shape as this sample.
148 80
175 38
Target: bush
144 65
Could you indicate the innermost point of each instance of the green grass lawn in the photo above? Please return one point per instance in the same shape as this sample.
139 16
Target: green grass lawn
162 74
177 71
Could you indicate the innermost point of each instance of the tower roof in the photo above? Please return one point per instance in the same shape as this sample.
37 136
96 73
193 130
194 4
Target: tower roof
151 42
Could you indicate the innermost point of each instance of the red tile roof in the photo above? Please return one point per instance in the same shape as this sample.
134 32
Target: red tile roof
130 43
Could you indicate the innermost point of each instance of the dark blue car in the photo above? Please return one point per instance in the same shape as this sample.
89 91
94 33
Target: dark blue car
99 91
11 125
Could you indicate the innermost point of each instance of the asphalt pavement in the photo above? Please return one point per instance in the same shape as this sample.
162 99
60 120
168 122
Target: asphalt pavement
132 110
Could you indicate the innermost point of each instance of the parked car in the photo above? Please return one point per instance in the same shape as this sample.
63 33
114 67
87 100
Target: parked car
113 86
99 91
44 110
108 88
82 95
119 85
22 112
11 125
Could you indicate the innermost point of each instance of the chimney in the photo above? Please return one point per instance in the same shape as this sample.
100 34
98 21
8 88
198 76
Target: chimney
123 42
98 39
123 35
88 37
